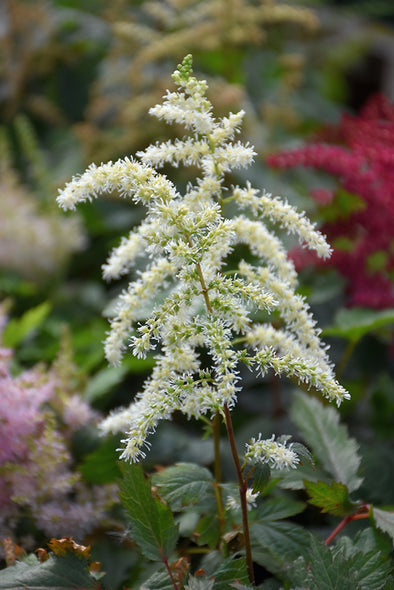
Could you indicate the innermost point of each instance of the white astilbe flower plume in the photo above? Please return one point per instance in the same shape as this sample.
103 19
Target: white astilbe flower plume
188 298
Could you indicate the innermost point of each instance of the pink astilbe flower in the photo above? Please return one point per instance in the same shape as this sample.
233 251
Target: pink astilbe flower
359 153
20 415
39 413
77 413
59 517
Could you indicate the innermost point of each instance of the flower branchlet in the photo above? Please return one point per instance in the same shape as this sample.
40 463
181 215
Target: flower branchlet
198 300
276 454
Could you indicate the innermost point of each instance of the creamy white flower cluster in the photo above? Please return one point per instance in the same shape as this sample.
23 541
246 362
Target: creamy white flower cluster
234 503
276 454
188 299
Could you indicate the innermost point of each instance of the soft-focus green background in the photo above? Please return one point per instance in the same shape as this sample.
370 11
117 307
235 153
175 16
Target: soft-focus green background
76 81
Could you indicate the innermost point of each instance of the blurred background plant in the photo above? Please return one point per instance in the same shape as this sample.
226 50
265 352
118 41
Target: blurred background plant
149 38
42 415
357 213
77 78
35 241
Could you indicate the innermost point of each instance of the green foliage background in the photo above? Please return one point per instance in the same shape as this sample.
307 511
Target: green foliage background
74 81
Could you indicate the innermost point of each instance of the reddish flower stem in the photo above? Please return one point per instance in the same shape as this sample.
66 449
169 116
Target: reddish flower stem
362 512
242 493
165 561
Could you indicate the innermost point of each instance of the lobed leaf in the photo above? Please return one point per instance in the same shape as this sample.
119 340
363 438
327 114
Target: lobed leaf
328 573
332 498
294 478
341 566
370 570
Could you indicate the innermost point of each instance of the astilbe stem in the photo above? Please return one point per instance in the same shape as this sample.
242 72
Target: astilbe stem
362 512
217 463
242 494
218 471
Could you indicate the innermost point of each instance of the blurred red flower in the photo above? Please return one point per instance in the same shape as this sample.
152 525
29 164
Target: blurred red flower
359 154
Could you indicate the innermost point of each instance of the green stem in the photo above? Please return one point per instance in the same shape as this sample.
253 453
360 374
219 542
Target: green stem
242 493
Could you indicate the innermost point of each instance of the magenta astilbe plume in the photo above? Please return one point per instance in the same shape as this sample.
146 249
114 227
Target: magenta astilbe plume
359 153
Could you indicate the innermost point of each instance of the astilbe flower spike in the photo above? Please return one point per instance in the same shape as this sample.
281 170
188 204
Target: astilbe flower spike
39 483
198 302
148 36
359 153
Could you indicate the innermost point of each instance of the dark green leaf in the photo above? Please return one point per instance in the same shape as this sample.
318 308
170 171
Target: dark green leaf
260 478
341 566
298 573
277 509
158 581
116 558
328 439
174 441
328 573
187 522
370 570
101 465
332 498
183 484
303 453
294 478
278 543
152 523
232 569
372 539
207 531
57 573
210 562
